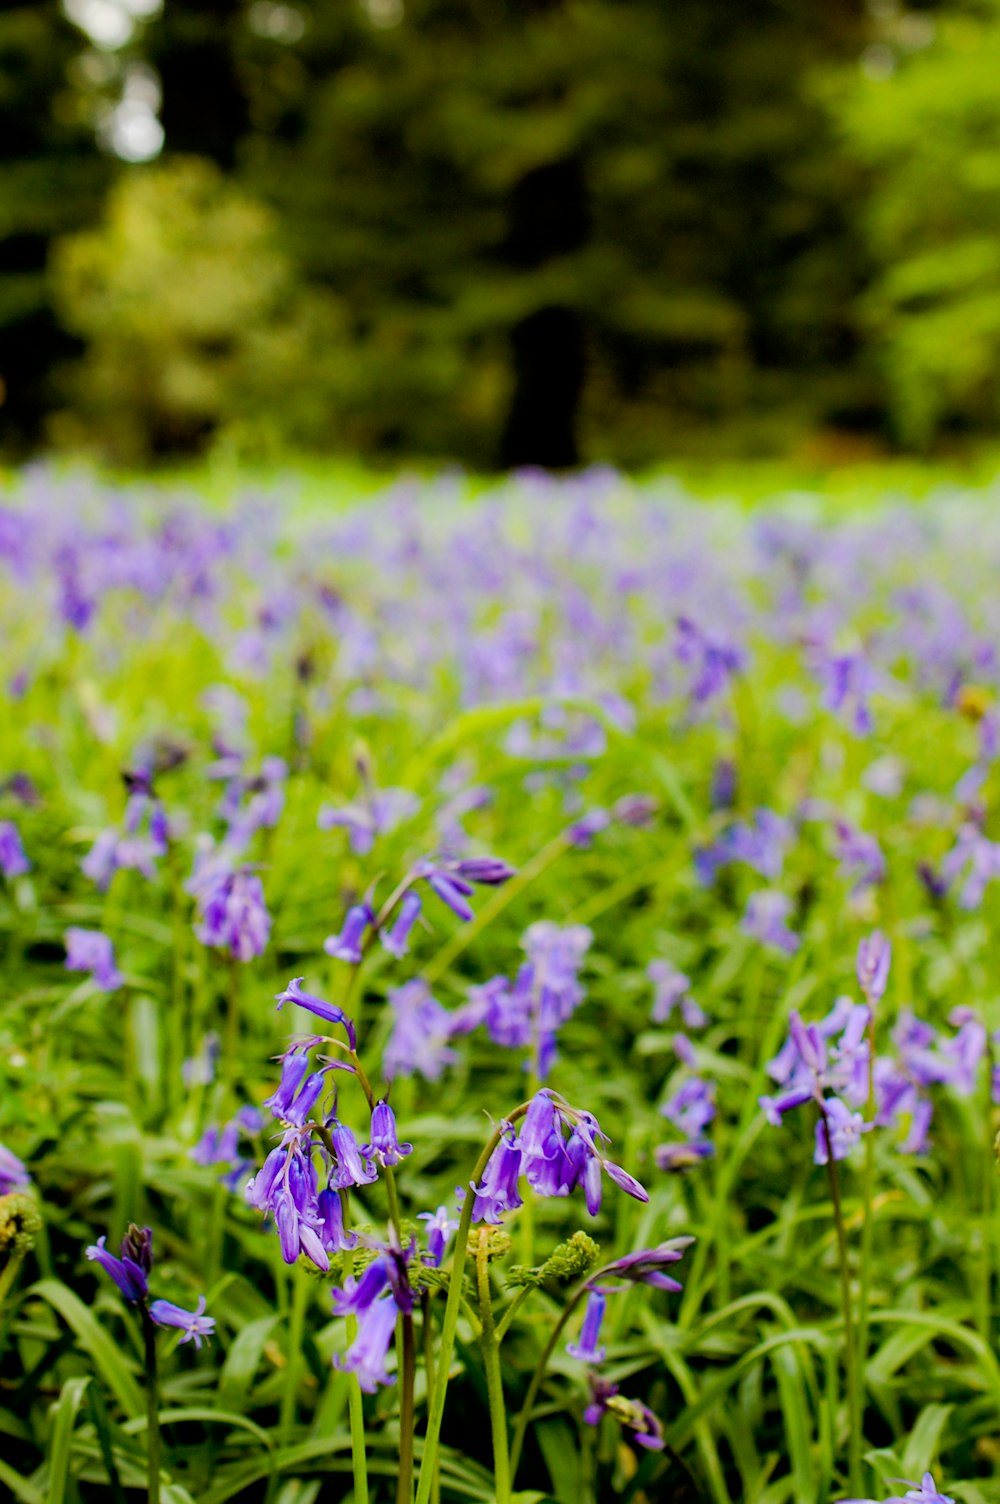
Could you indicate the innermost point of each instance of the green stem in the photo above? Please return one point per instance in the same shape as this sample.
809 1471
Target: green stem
9 1273
521 1424
408 1367
490 1348
989 1170
503 1324
355 1404
867 1232
435 1409
850 1366
152 1410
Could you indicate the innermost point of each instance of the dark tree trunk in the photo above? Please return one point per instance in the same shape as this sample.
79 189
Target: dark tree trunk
548 218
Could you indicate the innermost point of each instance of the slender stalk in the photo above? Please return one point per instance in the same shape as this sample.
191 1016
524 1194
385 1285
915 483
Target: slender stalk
867 1233
408 1366
152 1410
232 1044
850 1365
490 1348
428 1334
435 1409
521 1424
355 1405
8 1274
989 1170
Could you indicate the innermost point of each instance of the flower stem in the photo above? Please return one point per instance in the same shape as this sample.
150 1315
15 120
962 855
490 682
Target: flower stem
152 1410
521 1424
850 1365
435 1409
408 1365
494 1381
355 1405
867 1236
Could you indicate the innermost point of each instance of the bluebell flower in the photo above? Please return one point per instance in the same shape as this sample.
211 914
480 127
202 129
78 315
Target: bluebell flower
293 993
837 1131
451 889
366 1356
587 1349
335 1236
127 1273
294 1066
13 1174
91 950
422 1029
860 856
352 1166
13 862
874 957
231 906
195 1325
646 1265
764 919
440 1227
924 1492
347 946
682 1156
670 989
498 1193
692 1107
383 810
385 1148
358 1293
397 939
605 1399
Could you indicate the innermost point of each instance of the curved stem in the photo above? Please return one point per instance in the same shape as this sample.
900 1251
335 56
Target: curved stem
490 1348
521 1424
503 1325
867 1234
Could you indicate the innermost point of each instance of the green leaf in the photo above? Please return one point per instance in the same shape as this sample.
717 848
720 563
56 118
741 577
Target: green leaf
924 1440
22 1490
106 1356
243 1359
61 1444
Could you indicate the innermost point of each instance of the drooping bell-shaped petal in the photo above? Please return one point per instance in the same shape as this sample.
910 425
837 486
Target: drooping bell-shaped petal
385 1147
347 946
195 1325
588 1350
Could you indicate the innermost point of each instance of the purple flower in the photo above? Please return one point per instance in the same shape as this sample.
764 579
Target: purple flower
486 871
347 946
848 682
13 862
334 1235
91 950
366 1356
498 1193
670 988
128 1274
543 996
448 886
605 1399
713 661
587 1349
232 910
293 993
874 957
765 917
692 1107
385 1148
418 1044
384 810
924 1492
397 939
352 1166
13 1175
646 1265
294 1067
837 1131
860 857
358 1295
674 1157
439 1230
195 1324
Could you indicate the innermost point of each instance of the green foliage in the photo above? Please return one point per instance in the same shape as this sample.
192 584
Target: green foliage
927 127
569 1262
194 324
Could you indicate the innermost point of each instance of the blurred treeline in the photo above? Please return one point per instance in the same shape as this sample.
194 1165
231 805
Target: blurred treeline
499 231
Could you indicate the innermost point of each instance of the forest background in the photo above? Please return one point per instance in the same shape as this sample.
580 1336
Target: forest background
499 232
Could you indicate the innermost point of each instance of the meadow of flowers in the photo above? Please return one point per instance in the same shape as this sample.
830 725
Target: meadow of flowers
500 997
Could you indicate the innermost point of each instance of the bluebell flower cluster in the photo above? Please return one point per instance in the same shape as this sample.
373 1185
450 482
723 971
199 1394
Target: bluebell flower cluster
131 1274
529 1012
92 950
